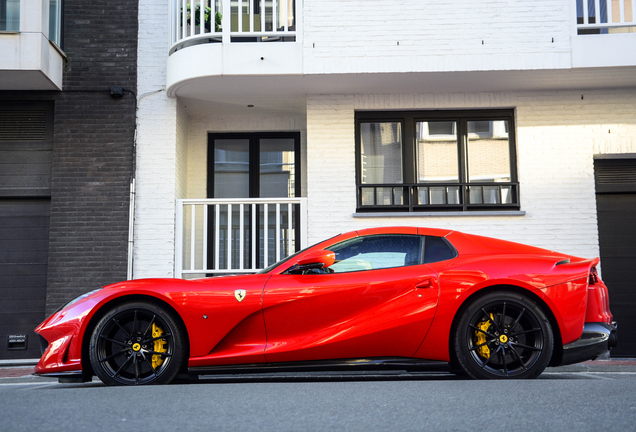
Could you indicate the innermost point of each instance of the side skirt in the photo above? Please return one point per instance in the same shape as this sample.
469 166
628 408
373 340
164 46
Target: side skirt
385 363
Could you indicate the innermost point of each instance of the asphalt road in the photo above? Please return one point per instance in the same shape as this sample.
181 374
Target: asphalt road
588 401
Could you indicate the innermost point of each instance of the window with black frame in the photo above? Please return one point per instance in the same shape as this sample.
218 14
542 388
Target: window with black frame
436 161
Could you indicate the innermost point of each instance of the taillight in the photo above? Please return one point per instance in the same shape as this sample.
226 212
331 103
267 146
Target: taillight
593 276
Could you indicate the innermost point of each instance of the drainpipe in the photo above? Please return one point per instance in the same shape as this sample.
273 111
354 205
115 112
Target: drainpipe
131 222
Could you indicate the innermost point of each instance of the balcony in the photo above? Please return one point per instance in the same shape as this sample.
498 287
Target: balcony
234 37
30 57
605 33
235 236
424 197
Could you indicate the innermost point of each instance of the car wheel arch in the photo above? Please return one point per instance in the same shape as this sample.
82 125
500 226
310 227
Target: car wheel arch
111 304
557 353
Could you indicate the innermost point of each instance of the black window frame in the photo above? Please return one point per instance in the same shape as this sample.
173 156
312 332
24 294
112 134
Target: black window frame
254 158
408 189
253 139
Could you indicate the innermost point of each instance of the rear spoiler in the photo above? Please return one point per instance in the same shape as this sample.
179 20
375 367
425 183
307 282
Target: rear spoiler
568 261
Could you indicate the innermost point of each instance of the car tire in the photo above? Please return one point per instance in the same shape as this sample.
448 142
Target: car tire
138 343
503 335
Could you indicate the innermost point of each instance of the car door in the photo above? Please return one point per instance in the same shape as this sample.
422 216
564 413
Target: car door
376 300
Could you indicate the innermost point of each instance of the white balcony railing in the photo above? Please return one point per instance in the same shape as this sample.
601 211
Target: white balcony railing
205 21
605 16
231 236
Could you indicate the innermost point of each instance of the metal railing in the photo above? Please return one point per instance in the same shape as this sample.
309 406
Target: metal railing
438 196
205 21
232 236
599 16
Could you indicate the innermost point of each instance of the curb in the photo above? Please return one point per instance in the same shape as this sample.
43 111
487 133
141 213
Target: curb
25 368
19 362
611 365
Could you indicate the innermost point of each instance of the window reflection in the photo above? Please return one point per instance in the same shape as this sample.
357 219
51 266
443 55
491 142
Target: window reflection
488 152
437 159
381 152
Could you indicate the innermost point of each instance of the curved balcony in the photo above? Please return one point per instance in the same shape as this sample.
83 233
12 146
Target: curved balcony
232 37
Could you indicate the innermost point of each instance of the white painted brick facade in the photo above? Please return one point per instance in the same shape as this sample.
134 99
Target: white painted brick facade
557 136
557 132
345 36
156 188
158 132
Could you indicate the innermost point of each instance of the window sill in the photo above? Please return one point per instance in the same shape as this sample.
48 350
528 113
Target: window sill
439 214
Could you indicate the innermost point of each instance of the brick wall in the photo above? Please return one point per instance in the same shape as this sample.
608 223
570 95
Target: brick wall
156 187
385 36
92 150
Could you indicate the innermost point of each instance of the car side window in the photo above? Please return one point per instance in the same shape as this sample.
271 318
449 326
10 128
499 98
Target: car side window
437 249
377 252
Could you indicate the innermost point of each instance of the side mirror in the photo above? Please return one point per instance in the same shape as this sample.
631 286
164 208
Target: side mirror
315 260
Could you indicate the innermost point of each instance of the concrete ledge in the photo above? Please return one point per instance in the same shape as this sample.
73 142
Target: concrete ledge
438 214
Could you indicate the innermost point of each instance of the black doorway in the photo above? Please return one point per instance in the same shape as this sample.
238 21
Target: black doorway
616 207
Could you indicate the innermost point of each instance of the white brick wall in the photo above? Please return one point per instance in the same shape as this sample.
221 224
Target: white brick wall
182 152
452 35
557 132
557 136
156 188
158 157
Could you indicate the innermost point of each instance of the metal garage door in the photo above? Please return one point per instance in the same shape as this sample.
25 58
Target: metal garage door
616 205
24 244
26 139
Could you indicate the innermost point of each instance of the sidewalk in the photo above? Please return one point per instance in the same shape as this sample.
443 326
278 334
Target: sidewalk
20 369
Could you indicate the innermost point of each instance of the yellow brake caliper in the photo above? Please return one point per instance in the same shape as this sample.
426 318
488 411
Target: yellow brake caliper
480 338
160 345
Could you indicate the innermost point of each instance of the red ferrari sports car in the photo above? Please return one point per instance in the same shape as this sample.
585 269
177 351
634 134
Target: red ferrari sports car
374 298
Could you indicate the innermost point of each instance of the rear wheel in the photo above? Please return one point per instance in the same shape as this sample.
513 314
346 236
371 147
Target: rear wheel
503 335
138 343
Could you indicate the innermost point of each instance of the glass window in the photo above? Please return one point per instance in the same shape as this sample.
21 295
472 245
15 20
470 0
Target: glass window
436 160
55 15
437 249
488 151
231 168
9 15
277 168
381 152
377 252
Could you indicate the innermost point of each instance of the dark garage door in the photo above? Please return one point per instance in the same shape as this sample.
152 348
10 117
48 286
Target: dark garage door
616 205
24 244
25 189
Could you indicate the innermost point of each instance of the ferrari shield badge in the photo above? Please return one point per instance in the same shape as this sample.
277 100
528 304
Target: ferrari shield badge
239 294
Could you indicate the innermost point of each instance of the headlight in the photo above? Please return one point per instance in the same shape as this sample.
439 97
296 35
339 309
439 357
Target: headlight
76 299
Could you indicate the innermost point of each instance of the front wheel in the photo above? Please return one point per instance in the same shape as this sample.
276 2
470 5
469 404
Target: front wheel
138 343
503 335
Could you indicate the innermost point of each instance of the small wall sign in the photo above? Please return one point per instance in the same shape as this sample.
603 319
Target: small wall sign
17 342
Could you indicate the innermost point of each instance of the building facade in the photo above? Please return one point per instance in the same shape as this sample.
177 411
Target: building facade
66 156
263 126
481 117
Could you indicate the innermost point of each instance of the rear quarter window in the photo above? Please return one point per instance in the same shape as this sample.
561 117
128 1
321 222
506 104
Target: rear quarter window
438 249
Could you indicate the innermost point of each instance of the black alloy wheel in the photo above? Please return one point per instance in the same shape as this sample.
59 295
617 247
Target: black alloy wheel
503 335
137 343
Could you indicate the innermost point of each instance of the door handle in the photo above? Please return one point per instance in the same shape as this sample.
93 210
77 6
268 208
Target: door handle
426 283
